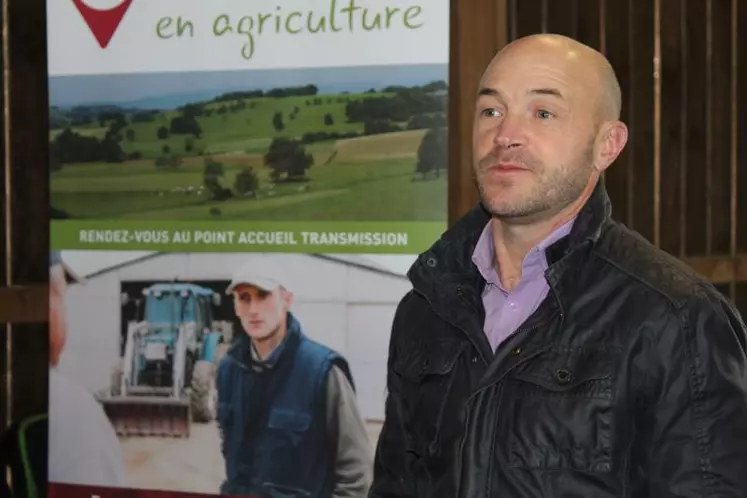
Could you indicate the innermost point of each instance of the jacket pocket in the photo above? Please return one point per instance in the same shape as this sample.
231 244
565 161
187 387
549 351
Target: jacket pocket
425 374
277 447
288 426
559 412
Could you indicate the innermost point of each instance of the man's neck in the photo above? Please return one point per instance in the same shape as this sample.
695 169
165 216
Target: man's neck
512 241
264 347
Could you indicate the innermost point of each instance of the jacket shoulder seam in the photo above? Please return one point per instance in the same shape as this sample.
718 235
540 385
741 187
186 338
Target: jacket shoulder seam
674 303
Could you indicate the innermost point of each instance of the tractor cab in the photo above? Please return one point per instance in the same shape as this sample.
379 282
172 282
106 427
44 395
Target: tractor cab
178 303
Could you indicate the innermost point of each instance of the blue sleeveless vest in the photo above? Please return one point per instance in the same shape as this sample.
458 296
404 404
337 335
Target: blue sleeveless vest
285 449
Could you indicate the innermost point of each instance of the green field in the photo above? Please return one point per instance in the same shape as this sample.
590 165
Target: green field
366 178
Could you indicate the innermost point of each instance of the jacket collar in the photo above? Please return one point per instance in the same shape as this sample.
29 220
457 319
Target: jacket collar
450 257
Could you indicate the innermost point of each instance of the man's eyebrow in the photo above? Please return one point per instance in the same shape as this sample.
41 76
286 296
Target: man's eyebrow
554 92
490 92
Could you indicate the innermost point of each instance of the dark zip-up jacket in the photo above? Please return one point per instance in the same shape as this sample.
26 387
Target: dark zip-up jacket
630 380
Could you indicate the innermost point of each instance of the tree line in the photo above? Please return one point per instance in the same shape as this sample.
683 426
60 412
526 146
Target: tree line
399 107
293 91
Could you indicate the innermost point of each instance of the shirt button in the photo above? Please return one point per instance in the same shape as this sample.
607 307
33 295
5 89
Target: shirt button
513 305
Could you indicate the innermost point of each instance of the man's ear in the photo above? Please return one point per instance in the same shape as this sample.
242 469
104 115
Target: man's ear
287 298
612 138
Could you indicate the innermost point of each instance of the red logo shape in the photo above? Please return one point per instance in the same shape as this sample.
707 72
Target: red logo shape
103 23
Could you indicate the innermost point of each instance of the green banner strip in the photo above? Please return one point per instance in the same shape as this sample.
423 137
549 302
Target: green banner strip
246 236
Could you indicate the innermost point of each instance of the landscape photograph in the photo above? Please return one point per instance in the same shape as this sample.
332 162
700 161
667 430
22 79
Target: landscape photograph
327 144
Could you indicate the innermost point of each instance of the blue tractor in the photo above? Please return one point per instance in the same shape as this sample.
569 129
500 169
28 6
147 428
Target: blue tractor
166 377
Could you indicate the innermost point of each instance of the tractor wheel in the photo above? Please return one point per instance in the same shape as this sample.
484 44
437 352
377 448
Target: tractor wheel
204 392
116 378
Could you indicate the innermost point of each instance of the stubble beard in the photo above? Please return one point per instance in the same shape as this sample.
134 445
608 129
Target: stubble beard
550 193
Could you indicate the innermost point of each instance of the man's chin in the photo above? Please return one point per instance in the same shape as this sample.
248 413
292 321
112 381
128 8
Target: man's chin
503 205
257 334
511 211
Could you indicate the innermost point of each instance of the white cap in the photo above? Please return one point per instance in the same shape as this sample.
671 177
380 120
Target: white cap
257 274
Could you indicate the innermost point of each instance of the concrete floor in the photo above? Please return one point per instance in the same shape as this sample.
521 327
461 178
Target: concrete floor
190 465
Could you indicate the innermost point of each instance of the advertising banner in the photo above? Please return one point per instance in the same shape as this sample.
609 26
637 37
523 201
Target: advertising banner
244 125
238 189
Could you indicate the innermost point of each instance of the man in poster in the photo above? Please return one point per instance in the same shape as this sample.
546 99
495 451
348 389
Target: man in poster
83 447
287 410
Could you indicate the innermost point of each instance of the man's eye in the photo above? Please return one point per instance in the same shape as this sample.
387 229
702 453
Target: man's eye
490 112
543 114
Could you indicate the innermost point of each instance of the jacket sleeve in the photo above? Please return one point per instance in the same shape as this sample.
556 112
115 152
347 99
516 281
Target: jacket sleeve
696 436
390 467
349 437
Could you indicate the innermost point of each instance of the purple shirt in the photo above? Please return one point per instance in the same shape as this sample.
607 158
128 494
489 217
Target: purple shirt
505 311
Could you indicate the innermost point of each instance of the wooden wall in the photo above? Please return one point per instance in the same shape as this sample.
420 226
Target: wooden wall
682 180
24 241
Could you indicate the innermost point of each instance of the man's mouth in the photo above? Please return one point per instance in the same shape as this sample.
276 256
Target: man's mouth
506 168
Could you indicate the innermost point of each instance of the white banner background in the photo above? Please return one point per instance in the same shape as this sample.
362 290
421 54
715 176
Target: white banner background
137 47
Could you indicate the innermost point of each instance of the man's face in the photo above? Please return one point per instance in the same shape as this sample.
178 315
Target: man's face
262 313
534 132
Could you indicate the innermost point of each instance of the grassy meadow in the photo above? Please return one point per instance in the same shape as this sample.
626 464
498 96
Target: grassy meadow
367 177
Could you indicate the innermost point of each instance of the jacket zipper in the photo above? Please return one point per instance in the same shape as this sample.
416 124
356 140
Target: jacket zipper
468 404
460 453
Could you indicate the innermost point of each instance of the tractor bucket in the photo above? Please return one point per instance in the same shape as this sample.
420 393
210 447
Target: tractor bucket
133 416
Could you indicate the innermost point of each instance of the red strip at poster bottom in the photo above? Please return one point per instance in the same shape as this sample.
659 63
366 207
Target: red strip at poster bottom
70 491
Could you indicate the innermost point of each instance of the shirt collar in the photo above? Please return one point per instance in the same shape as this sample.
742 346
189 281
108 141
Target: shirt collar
483 256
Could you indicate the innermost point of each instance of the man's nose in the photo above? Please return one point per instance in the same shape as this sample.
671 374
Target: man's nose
248 306
509 133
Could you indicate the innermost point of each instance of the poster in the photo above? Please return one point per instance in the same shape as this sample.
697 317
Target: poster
224 173
303 133
345 301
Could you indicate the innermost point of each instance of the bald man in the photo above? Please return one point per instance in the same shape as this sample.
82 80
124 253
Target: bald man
546 350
